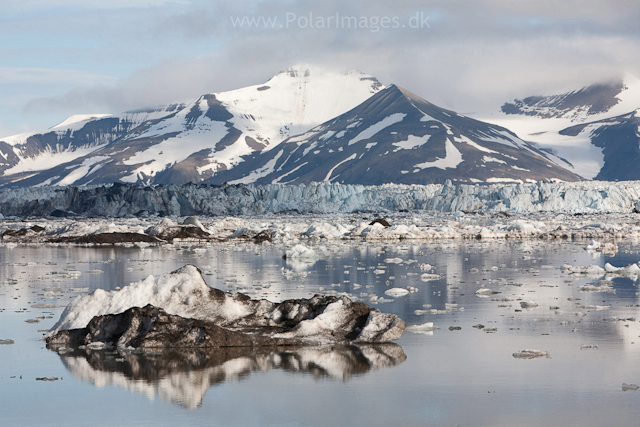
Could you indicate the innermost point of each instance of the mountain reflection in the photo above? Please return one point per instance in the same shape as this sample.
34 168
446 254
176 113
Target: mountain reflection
182 376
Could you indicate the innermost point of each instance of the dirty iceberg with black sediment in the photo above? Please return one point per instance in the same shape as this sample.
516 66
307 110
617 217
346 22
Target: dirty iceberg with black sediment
179 310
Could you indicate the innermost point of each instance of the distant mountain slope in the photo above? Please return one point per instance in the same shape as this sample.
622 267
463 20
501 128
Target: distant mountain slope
619 139
182 143
398 137
24 154
544 119
588 101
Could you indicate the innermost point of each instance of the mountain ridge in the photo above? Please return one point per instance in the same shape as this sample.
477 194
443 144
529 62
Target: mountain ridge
600 150
397 137
182 142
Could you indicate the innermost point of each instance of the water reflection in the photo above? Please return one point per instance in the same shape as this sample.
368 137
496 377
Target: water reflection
183 376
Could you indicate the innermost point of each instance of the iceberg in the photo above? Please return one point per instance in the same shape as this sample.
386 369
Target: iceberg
180 310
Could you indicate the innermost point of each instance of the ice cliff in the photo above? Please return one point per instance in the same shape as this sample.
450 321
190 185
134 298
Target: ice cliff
321 198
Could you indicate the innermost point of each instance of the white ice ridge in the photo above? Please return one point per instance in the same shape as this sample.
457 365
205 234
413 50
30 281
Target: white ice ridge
182 293
328 197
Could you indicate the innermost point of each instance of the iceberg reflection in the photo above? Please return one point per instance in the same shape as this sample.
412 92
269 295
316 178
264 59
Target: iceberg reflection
182 376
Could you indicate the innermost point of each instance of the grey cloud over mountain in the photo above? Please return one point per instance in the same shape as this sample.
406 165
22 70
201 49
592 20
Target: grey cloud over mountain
473 56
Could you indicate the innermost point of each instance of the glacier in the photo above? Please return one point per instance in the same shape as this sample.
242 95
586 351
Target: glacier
121 200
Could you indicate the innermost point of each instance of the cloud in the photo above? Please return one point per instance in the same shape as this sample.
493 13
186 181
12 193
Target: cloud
50 76
472 55
43 5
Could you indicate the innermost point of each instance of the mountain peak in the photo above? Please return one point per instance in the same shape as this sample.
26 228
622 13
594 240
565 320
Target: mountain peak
319 71
182 143
397 137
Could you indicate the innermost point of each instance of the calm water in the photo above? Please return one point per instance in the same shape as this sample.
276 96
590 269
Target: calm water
450 377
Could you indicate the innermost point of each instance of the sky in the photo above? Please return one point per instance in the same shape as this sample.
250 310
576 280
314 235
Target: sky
64 57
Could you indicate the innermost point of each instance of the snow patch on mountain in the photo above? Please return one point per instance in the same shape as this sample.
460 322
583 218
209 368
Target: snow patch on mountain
372 130
259 173
487 159
466 140
411 142
328 177
86 168
452 159
48 159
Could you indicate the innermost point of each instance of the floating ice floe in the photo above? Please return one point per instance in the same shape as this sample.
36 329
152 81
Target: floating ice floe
608 269
570 313
303 252
425 328
603 286
485 292
606 248
630 270
530 354
528 304
589 270
398 292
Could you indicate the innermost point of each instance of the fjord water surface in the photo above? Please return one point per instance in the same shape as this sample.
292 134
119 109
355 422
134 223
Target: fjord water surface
463 373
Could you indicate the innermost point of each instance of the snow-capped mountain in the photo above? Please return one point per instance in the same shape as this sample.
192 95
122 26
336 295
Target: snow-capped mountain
596 151
398 137
25 154
579 105
183 142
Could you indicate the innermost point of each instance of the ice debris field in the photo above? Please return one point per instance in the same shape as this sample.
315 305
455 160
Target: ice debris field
312 230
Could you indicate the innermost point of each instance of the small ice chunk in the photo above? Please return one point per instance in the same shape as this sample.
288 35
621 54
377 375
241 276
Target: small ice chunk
46 305
422 329
192 220
607 248
396 292
603 286
301 251
593 246
528 304
530 354
485 292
